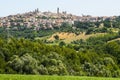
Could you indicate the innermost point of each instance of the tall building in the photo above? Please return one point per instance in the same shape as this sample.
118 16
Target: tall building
37 10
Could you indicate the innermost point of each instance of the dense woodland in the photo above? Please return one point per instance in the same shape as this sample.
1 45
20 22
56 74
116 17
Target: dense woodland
20 53
22 56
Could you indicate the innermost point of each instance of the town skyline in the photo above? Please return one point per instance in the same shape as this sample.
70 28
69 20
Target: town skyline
47 20
93 7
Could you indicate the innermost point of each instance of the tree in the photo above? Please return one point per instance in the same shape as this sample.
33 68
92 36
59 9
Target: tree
113 48
24 64
90 30
54 64
56 37
62 44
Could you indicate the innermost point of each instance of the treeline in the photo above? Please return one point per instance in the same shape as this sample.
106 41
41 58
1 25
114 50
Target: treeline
23 56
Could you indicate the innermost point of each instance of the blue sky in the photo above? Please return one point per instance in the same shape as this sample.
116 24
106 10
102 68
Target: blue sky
78 7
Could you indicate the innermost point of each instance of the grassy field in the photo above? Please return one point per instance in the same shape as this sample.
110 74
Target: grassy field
38 77
69 37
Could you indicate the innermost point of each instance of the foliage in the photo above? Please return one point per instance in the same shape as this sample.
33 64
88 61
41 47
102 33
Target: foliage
99 56
23 56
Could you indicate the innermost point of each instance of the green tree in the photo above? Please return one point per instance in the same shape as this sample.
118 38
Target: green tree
62 43
113 48
56 37
24 64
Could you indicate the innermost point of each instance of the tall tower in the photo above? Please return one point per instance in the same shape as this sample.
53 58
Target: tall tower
37 10
58 10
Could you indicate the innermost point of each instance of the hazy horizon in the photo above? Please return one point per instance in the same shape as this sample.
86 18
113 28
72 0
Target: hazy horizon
86 7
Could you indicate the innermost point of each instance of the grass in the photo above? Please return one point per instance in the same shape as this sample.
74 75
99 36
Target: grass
69 37
40 77
117 39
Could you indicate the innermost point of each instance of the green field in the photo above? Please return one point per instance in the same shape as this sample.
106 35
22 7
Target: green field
38 77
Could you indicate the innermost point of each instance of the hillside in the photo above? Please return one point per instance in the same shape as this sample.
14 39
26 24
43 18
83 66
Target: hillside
46 20
69 37
24 56
37 24
45 43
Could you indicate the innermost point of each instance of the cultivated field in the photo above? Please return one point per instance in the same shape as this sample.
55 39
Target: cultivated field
38 77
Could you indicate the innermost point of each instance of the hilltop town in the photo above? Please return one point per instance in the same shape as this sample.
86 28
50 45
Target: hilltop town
46 20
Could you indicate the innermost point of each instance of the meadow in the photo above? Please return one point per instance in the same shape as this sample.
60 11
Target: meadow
40 77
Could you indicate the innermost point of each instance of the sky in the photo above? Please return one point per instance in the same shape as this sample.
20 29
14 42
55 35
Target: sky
77 7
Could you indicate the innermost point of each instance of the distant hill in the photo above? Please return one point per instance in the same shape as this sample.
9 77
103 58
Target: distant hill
68 27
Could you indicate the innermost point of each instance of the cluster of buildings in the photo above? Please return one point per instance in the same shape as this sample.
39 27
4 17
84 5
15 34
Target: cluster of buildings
45 20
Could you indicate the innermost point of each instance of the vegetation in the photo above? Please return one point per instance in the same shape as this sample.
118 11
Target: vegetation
21 53
23 56
38 77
